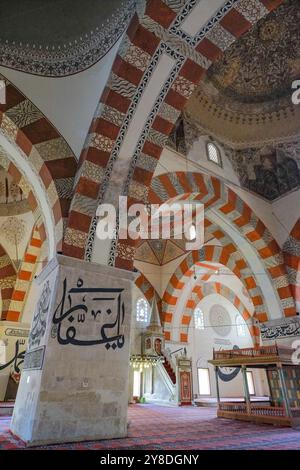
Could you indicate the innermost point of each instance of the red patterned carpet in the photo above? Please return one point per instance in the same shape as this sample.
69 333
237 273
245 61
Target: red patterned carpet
154 427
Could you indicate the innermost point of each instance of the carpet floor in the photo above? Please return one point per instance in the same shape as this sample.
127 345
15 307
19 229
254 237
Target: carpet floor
155 427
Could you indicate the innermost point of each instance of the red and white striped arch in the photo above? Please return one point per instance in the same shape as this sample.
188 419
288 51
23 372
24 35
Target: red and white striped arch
8 277
215 195
221 255
38 153
25 276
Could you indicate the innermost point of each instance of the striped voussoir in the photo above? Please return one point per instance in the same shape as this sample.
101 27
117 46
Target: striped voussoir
148 291
211 192
291 251
150 30
44 149
227 256
25 276
8 278
201 291
146 288
248 278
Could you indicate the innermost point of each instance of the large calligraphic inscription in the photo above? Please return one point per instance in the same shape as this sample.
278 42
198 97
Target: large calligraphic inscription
39 321
87 316
17 359
283 328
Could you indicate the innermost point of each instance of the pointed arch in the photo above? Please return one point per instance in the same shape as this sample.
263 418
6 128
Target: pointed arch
41 151
8 276
25 275
215 195
216 254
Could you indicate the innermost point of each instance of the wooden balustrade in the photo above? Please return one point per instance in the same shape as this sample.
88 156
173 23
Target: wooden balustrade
256 410
261 351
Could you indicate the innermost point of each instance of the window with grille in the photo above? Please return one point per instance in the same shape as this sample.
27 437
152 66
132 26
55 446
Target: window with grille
213 153
199 319
240 326
142 311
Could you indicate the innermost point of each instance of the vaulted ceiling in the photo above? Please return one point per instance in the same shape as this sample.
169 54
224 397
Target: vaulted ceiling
59 37
245 99
245 105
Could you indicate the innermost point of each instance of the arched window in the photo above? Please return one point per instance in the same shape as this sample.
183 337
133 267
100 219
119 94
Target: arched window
240 326
213 153
199 319
142 311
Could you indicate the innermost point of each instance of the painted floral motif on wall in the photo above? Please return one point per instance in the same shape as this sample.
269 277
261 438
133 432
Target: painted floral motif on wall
13 230
270 171
261 65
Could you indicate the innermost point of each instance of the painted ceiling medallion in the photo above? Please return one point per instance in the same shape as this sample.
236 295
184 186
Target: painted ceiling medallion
245 99
259 66
55 42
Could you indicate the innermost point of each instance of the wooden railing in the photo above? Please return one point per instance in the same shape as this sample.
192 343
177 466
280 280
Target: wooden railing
255 410
233 407
282 352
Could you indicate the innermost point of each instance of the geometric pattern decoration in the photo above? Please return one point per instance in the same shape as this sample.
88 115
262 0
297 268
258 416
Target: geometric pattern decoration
41 145
208 288
159 252
155 31
8 277
211 192
25 275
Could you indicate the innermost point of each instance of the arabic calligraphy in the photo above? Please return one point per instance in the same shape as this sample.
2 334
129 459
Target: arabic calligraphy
284 330
40 317
17 360
90 316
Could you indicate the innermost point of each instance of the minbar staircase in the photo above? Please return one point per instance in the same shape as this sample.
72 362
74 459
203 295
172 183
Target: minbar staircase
169 370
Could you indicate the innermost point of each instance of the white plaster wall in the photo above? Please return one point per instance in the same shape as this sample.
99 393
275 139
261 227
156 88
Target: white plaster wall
202 342
286 211
68 102
198 155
